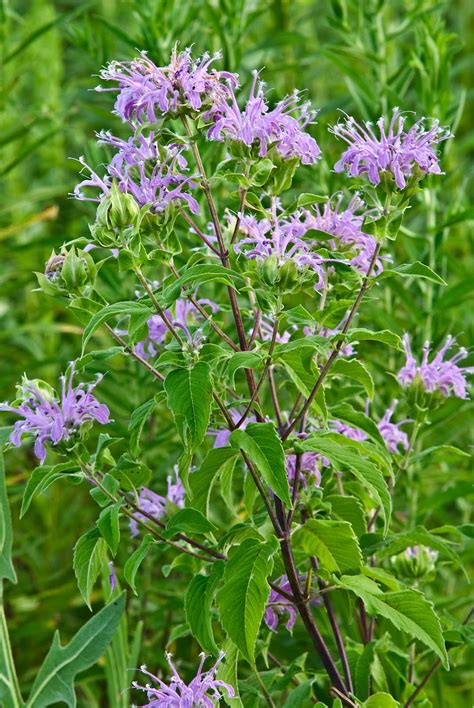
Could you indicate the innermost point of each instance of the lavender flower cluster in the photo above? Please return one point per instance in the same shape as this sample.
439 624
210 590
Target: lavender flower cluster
49 418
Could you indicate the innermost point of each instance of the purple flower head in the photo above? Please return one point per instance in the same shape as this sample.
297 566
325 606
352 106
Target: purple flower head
266 329
155 505
278 605
204 691
186 315
352 433
438 374
282 127
309 468
49 418
222 436
279 238
346 224
146 91
395 149
391 433
152 176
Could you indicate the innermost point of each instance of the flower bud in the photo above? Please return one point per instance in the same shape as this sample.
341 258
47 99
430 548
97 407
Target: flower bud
25 388
68 273
415 562
116 212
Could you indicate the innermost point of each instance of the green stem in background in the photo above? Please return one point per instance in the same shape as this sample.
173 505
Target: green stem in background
156 305
264 690
6 660
432 670
429 196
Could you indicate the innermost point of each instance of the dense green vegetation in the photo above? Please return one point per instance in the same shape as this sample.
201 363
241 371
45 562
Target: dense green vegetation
361 57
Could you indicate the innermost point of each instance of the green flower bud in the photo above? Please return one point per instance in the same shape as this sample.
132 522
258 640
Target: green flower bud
24 389
70 272
415 562
116 214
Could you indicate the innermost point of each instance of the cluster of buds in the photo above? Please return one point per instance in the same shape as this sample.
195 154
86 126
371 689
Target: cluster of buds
415 562
70 272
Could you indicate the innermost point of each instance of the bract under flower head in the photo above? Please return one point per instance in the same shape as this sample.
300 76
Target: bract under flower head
438 374
282 127
204 691
147 91
53 419
393 149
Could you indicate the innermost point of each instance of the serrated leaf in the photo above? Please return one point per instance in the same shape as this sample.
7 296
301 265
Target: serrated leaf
408 610
333 543
198 604
198 275
89 554
117 309
243 596
108 525
54 681
413 270
136 559
356 370
385 336
189 393
137 422
261 443
203 479
242 360
43 477
189 521
349 509
366 472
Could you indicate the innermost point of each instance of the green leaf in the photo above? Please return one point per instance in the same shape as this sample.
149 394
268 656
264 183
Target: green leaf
189 393
334 544
198 275
54 682
349 509
408 610
10 695
6 534
417 537
243 360
136 559
413 270
356 370
89 554
261 443
343 457
198 604
190 521
306 199
137 422
299 695
228 671
117 309
385 336
43 477
201 481
381 700
108 525
243 597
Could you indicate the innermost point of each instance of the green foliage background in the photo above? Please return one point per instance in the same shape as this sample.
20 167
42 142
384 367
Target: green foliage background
363 57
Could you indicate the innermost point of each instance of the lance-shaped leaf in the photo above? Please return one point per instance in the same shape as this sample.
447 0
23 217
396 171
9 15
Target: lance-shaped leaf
408 610
89 555
189 393
334 544
201 481
262 444
10 696
342 456
243 597
6 536
197 604
117 309
54 682
354 369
